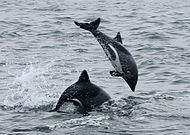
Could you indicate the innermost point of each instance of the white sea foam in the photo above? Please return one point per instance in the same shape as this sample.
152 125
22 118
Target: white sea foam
30 89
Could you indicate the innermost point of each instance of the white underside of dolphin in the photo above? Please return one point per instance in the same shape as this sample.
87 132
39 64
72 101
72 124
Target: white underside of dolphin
115 63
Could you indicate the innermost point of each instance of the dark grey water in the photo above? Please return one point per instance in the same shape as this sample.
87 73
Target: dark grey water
42 52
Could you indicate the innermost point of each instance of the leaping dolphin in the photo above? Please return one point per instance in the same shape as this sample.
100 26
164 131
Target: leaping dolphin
83 93
120 58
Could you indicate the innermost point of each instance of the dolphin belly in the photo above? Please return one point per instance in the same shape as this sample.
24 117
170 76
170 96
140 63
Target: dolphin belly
112 54
116 63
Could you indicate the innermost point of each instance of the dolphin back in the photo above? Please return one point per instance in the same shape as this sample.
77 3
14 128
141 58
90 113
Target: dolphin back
89 26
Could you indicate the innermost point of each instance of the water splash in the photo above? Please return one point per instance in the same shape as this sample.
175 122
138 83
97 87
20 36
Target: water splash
30 89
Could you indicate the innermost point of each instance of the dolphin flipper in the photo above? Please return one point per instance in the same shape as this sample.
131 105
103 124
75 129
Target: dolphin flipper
115 73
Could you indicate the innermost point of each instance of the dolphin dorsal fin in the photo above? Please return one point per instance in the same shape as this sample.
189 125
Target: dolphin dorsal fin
118 38
84 77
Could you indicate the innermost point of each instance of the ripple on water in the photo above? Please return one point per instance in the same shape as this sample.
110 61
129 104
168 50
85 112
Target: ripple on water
9 34
40 129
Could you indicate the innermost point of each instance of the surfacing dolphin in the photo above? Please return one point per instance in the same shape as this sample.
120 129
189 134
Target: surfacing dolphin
83 93
120 58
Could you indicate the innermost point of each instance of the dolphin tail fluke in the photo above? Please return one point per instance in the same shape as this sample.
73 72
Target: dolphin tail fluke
89 26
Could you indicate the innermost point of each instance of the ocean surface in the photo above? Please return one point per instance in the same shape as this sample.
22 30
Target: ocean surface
42 52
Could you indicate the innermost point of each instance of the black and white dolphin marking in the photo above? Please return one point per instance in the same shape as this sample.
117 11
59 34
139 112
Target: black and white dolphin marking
83 93
120 58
